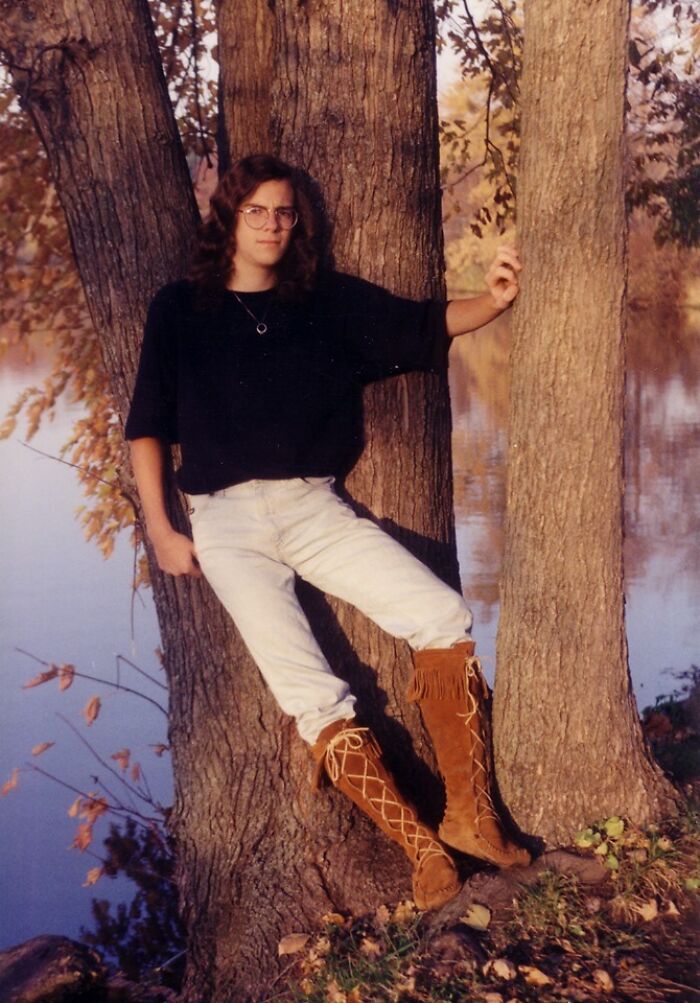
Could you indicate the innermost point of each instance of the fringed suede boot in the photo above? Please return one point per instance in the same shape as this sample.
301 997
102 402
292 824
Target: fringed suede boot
454 699
351 758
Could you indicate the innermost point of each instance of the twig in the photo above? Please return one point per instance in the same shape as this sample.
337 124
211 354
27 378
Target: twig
137 668
85 470
99 758
103 682
139 819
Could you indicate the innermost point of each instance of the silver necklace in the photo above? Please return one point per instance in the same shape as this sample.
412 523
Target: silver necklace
260 325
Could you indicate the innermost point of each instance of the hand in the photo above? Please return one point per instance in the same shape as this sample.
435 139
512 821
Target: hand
502 276
206 179
176 555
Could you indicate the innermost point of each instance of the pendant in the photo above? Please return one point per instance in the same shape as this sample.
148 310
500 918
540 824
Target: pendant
261 328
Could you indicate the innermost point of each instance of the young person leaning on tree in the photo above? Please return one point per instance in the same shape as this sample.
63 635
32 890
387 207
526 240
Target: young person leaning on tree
255 366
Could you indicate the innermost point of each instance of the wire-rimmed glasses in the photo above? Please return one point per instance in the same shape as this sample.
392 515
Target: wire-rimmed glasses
257 216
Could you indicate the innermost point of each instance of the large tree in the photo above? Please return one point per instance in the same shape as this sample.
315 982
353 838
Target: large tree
348 92
568 738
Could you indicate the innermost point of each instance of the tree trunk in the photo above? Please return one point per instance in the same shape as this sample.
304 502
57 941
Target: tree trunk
569 747
259 856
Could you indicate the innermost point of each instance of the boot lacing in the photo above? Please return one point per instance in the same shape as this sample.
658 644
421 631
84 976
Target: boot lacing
485 808
352 742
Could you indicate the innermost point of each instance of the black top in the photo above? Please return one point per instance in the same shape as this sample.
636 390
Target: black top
282 404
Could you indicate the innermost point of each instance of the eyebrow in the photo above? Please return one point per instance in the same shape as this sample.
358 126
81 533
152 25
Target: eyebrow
257 205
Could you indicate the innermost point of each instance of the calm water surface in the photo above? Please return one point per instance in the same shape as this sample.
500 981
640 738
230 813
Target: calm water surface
62 602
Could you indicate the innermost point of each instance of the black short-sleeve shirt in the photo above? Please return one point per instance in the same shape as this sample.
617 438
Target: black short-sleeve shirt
286 403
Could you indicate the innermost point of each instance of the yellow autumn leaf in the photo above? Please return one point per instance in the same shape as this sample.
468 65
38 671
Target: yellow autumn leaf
136 773
83 837
74 808
43 677
534 976
291 943
122 758
92 807
91 710
404 912
603 980
477 916
647 910
371 948
334 994
160 748
66 674
10 784
93 876
41 747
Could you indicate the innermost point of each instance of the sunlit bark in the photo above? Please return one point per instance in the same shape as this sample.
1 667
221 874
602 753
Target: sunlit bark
351 98
568 740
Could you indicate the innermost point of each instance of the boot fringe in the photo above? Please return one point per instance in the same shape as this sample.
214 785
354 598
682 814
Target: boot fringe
449 683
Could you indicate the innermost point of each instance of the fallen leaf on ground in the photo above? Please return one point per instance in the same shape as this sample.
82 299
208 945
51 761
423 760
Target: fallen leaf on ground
292 943
404 912
501 968
334 994
477 917
371 948
534 976
647 910
603 979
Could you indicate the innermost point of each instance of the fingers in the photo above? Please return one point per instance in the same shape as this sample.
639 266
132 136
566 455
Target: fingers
508 254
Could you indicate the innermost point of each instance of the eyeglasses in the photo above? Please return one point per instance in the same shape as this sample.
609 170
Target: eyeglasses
257 216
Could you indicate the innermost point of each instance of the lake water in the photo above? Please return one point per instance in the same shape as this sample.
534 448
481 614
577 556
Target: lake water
62 602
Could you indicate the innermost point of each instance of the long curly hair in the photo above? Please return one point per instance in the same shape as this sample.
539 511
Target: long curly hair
212 265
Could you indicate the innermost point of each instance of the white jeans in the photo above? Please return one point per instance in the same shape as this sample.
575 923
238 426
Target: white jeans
252 538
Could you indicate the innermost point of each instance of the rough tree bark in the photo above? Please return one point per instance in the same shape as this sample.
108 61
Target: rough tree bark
569 747
259 856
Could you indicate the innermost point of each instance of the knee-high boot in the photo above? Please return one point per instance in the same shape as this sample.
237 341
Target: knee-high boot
453 696
351 758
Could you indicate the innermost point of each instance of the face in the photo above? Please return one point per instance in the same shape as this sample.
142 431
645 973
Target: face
264 248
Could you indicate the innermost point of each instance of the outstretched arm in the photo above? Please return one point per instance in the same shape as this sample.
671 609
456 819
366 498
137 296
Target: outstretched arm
502 280
174 551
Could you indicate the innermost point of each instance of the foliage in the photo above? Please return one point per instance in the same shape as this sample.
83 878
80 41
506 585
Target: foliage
41 299
648 866
480 138
559 941
40 290
145 934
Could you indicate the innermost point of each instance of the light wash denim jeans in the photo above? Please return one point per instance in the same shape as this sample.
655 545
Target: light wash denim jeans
252 538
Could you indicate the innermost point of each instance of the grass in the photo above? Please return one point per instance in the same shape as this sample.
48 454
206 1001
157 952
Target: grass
632 940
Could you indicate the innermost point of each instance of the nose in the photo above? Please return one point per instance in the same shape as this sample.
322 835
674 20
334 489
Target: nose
272 223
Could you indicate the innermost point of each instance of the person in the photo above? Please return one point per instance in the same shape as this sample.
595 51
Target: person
255 365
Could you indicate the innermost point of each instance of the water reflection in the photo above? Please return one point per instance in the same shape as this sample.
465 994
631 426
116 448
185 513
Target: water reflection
662 457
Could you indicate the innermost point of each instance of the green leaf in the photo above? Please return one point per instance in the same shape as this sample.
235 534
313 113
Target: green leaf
692 884
612 862
614 826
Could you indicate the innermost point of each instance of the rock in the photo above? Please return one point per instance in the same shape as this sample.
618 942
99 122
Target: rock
49 969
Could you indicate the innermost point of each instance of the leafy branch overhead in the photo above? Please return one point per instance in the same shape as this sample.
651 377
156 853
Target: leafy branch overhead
42 304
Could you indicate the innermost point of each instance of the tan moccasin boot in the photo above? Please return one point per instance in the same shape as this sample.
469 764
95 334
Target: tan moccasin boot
351 758
453 696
